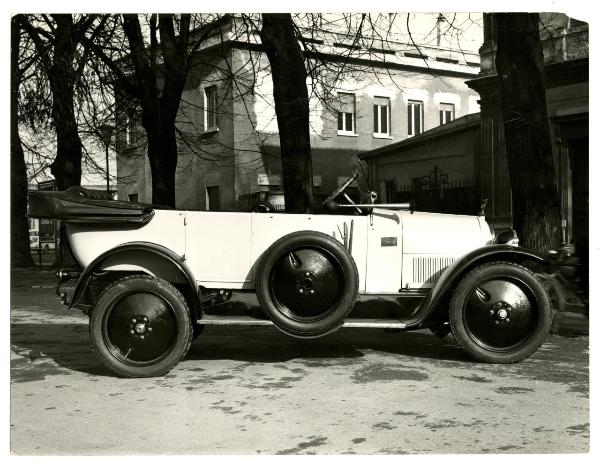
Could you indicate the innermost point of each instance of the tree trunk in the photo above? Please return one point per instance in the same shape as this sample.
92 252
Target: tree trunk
19 228
162 154
159 108
520 66
291 107
66 167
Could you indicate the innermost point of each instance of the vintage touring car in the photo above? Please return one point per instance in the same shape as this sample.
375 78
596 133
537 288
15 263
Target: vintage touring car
151 279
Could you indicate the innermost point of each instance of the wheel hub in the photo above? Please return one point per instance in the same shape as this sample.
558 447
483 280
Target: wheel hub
499 313
307 283
139 327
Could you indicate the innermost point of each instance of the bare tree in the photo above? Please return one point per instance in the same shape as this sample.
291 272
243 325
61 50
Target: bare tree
291 106
154 76
520 65
19 230
56 40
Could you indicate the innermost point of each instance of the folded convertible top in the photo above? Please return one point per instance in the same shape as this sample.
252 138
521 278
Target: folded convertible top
77 204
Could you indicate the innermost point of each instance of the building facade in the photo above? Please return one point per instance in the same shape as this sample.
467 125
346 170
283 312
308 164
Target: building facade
362 97
470 152
438 170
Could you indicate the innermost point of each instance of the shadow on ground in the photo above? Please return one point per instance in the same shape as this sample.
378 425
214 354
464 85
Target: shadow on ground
69 347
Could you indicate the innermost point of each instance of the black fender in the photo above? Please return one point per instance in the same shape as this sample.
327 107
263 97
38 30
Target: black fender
162 252
453 273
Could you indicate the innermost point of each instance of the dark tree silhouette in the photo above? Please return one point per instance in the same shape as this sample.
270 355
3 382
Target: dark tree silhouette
56 47
19 229
156 82
291 107
520 66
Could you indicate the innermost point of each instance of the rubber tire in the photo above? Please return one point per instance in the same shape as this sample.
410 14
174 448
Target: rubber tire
103 306
336 316
539 332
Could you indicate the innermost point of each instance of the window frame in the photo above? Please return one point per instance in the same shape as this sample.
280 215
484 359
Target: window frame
344 120
210 91
377 119
129 127
444 113
411 105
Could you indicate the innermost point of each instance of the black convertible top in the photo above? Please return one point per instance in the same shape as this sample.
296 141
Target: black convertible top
81 205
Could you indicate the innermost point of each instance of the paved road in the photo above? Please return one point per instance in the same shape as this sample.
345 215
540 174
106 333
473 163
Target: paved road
255 390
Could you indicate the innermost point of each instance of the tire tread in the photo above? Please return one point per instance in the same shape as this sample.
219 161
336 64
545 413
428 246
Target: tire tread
480 354
175 292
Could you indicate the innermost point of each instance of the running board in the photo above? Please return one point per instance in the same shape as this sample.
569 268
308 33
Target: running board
252 321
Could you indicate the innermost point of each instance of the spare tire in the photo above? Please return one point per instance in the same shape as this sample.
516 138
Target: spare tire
307 283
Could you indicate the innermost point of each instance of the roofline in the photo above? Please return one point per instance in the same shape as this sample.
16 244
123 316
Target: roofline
433 70
426 136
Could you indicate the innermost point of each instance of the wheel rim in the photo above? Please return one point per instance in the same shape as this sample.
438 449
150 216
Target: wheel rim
140 328
500 314
306 282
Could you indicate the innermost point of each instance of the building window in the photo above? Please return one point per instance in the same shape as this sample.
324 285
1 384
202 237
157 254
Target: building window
446 113
381 117
133 197
129 127
213 202
415 117
210 108
346 114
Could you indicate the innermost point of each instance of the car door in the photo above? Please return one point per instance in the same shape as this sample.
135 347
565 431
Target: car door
384 253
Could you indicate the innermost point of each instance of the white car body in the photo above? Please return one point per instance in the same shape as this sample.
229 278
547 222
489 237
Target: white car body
393 250
150 279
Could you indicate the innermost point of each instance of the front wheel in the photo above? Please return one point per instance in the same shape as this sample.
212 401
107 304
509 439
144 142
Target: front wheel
140 326
500 313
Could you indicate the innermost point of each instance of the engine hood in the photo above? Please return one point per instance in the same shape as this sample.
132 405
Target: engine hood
443 234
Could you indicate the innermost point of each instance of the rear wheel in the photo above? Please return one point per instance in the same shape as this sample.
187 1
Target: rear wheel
140 326
500 313
307 284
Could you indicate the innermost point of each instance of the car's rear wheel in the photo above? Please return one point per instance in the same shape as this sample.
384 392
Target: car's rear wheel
307 284
140 326
500 313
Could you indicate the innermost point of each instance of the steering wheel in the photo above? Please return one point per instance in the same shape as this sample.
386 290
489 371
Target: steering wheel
340 189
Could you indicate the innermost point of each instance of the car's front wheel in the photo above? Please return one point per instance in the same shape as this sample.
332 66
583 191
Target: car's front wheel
500 313
140 326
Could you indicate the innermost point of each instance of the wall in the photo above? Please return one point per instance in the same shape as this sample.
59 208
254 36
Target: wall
334 156
245 149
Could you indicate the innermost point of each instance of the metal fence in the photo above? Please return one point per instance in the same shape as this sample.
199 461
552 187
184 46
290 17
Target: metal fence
459 197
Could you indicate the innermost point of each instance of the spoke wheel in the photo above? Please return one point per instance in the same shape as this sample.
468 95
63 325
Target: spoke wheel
140 326
500 313
307 284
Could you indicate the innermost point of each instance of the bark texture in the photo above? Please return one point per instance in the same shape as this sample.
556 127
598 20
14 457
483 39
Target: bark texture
66 167
291 107
20 255
159 108
520 66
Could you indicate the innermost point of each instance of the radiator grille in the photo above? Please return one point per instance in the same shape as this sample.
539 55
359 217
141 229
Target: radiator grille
428 269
